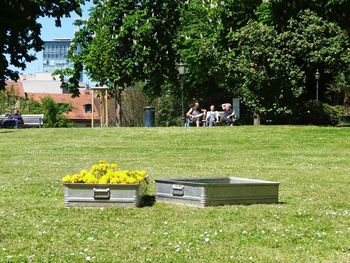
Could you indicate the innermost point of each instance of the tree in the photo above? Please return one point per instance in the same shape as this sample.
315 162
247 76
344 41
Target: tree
316 43
20 31
275 70
332 10
203 45
265 72
342 86
127 41
197 42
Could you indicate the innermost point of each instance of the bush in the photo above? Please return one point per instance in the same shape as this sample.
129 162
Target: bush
168 111
54 113
318 113
305 113
30 107
8 101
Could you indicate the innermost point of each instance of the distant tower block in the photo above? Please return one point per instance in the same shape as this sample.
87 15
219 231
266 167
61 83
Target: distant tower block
55 55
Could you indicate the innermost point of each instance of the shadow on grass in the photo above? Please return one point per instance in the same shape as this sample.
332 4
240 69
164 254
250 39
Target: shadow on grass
147 200
6 131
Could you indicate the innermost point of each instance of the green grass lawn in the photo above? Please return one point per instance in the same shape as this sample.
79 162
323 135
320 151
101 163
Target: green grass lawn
312 223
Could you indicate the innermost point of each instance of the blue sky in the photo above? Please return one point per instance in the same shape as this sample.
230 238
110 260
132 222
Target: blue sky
49 31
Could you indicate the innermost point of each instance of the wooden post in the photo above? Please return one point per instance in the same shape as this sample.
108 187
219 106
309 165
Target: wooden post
92 108
106 108
101 111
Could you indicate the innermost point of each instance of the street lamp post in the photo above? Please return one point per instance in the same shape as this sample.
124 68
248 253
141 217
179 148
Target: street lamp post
181 69
317 78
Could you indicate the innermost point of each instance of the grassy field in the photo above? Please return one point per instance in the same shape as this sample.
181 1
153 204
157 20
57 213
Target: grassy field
311 224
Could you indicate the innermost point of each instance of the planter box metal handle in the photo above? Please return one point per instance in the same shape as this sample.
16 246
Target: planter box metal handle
178 190
102 193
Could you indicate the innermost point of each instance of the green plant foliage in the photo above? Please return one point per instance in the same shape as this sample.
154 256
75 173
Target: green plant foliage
125 41
317 113
69 78
29 106
268 79
8 101
20 31
204 47
275 71
168 111
332 10
198 45
54 113
317 43
341 85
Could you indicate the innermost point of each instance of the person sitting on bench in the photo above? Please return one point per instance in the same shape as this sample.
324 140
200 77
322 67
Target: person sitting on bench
229 115
195 114
18 118
212 116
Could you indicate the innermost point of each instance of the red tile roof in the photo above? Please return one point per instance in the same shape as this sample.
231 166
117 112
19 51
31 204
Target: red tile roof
78 111
16 86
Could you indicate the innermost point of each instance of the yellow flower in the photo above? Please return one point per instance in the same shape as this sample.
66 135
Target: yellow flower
115 180
104 180
104 173
90 178
77 178
67 179
131 180
95 167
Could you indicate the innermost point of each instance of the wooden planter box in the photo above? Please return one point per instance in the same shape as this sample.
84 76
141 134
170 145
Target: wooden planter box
217 191
103 195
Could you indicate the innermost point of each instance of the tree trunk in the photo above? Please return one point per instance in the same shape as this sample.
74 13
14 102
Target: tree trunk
346 104
118 107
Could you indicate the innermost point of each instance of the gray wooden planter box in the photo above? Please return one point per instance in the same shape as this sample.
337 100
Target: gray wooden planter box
103 195
217 191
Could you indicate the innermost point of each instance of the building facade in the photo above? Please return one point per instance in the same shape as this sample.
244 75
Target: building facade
55 55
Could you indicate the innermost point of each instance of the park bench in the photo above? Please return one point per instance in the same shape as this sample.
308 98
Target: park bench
221 115
29 120
5 122
33 120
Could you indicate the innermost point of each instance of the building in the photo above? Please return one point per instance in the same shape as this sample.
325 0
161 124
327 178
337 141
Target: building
81 106
81 112
44 82
55 55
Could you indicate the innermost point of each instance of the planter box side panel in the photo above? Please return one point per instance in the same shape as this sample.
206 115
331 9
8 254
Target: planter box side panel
185 194
242 191
97 195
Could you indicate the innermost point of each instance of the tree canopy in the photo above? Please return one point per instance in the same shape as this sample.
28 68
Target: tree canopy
20 30
266 52
126 41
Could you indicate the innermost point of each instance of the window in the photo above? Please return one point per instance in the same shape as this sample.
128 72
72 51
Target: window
88 108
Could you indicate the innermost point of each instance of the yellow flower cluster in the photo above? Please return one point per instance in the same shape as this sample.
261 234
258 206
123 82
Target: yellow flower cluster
105 173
